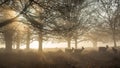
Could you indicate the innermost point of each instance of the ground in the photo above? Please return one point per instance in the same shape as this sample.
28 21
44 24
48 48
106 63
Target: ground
59 59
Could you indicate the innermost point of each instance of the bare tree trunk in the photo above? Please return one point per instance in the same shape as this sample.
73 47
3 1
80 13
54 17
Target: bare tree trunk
113 33
28 41
40 39
8 40
18 42
69 42
114 39
94 43
75 43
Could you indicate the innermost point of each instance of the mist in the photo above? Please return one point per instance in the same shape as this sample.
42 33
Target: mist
59 33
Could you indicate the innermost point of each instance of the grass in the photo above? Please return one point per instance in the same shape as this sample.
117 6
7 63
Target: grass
59 59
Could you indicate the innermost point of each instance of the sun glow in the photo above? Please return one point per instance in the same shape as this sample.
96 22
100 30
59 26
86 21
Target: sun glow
46 44
50 44
34 45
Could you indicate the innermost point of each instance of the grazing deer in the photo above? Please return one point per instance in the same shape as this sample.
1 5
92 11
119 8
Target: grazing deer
67 50
79 50
114 50
103 49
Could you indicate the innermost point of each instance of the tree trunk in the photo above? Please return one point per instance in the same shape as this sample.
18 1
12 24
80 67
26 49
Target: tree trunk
18 42
114 39
8 40
75 43
28 41
113 34
40 39
69 42
94 43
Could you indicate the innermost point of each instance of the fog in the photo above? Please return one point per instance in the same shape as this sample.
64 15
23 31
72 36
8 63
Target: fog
59 33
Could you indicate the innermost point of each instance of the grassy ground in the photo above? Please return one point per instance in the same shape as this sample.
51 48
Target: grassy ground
59 59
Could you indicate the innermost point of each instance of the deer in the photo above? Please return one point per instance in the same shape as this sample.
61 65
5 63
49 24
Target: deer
114 50
68 50
79 50
103 49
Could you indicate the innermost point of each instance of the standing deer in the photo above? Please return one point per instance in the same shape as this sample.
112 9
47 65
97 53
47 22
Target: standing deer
79 50
114 50
67 50
103 49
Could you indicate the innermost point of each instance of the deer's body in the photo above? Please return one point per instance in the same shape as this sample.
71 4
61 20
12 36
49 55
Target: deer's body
114 50
103 49
79 50
67 50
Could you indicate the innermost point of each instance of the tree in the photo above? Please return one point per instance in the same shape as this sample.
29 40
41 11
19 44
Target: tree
58 11
67 19
7 23
60 18
8 30
110 12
